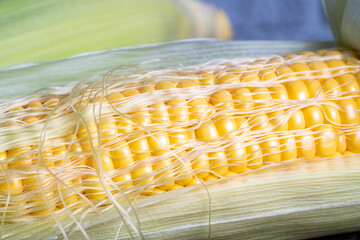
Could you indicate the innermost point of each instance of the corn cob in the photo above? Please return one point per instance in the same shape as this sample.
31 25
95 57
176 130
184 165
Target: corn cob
146 134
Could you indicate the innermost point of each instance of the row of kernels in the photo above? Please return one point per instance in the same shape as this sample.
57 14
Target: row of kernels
305 69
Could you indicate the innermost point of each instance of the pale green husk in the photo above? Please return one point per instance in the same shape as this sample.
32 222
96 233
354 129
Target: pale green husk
295 200
22 80
292 201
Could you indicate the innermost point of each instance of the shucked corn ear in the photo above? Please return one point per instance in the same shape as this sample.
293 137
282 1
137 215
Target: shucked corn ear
126 137
48 30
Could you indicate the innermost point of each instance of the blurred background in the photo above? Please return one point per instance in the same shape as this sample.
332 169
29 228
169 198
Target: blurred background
276 20
43 30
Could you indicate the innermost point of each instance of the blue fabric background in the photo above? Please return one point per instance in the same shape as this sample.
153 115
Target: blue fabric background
277 19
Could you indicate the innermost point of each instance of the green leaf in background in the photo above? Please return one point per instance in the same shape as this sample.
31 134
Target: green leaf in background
42 30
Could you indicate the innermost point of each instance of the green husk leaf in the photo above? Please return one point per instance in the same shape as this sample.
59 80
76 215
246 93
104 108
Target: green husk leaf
22 80
294 200
291 201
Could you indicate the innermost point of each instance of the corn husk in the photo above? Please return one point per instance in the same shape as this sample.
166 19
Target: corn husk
296 200
90 66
